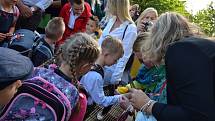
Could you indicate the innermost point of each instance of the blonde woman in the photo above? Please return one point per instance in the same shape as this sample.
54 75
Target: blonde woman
184 99
146 18
122 27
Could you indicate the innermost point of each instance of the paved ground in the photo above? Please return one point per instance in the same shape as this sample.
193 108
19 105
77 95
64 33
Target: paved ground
112 115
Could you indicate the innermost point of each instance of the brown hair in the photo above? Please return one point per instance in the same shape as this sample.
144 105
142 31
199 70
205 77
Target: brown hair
55 28
76 2
96 19
79 48
113 45
139 42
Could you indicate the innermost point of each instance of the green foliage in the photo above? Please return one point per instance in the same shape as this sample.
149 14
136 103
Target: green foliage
206 19
163 5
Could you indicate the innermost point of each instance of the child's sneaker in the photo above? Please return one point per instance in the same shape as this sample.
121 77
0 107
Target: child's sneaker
99 116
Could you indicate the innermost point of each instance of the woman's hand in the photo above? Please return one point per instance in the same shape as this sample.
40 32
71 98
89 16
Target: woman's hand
141 27
124 103
137 98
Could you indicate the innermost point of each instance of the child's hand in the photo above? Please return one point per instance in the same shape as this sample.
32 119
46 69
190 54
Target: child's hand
2 36
9 35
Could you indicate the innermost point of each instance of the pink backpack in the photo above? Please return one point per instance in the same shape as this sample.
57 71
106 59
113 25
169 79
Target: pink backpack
38 99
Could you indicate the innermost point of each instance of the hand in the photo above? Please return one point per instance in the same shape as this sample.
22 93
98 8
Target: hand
9 36
137 98
124 103
141 26
25 11
2 36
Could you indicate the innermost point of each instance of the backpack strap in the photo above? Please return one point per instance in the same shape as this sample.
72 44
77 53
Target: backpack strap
97 68
36 43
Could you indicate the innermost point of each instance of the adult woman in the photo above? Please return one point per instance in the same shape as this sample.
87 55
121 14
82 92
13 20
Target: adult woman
147 16
184 99
122 27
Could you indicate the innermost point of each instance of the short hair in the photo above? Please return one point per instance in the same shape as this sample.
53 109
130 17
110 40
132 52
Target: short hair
139 42
76 2
55 28
96 19
113 45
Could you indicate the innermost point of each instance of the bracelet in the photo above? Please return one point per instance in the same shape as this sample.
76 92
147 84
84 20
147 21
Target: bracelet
142 109
147 111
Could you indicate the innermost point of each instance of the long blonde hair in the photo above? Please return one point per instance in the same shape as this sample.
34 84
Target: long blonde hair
119 8
169 28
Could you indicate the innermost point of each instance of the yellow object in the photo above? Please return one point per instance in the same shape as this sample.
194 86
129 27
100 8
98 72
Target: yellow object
122 90
135 67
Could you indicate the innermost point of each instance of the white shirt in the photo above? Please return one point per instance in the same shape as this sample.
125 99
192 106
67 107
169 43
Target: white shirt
42 4
93 84
72 19
113 74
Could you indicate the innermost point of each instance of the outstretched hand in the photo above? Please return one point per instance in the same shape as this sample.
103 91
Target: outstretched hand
137 98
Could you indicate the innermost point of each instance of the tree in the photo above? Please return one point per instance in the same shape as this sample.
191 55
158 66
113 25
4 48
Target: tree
206 19
164 5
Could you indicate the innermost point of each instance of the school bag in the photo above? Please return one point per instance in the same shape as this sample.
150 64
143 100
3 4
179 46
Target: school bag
32 45
38 100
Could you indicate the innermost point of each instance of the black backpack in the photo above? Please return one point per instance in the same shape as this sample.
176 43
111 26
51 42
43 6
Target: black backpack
32 45
97 68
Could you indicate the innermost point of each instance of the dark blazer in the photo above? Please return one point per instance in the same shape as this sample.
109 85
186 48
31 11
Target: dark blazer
190 66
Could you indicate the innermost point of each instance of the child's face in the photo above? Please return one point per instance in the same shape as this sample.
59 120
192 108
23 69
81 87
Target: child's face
90 27
9 92
111 59
11 2
139 56
147 62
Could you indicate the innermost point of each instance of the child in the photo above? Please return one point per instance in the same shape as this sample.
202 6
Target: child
93 81
53 32
14 68
9 14
93 28
78 54
150 77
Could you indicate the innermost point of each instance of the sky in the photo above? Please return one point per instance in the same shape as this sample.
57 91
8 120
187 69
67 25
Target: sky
194 6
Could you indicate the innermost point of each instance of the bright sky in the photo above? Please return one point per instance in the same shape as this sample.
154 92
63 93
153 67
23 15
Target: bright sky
194 6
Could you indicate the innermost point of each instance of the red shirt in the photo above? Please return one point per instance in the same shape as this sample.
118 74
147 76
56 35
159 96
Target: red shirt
80 22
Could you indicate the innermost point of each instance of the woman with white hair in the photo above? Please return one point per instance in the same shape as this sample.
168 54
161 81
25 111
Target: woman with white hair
146 19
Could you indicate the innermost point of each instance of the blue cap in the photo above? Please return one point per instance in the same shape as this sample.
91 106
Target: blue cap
13 66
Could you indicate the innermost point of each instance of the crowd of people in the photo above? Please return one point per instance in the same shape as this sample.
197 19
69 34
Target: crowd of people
58 73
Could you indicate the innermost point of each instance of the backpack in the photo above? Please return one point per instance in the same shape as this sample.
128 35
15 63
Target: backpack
32 45
97 68
37 99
